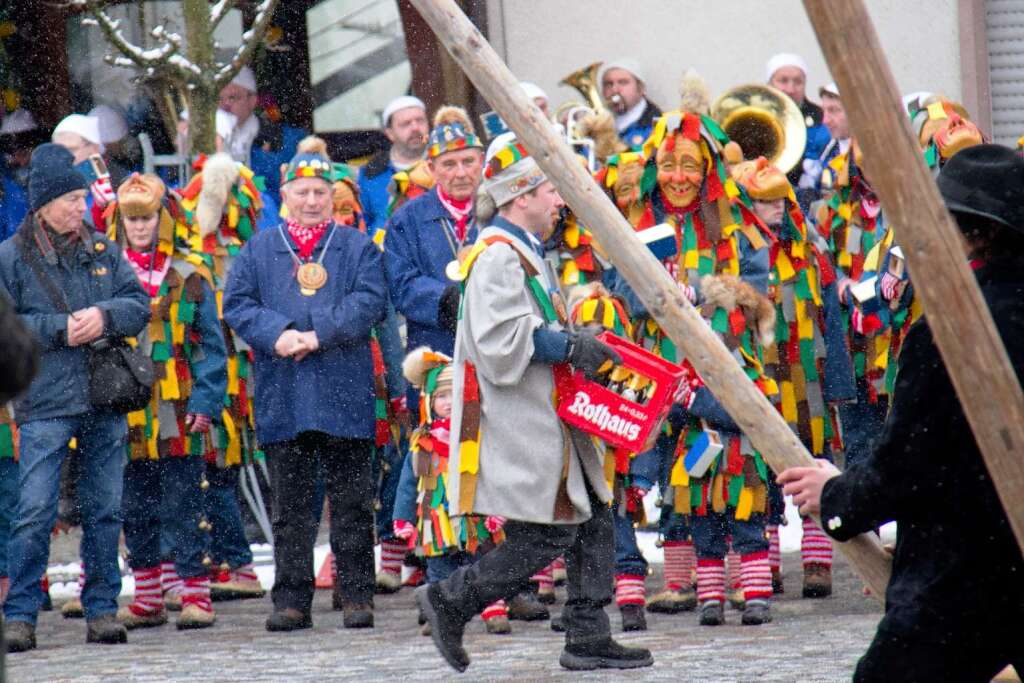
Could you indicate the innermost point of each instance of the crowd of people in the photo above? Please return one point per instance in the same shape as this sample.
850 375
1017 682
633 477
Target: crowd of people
390 340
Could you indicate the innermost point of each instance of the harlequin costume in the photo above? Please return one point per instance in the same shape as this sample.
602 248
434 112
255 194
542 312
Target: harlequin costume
222 207
421 509
809 361
409 184
166 451
685 184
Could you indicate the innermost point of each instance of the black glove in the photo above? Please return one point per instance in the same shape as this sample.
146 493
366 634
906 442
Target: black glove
448 309
588 353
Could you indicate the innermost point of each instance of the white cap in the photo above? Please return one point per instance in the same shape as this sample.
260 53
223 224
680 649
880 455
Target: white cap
245 78
18 121
626 63
87 127
830 89
399 103
532 90
783 59
225 122
111 123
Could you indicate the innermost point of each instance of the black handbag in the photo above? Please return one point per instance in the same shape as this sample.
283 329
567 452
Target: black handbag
121 377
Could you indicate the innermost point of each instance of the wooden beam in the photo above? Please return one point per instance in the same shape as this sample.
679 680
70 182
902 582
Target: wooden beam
960 321
761 422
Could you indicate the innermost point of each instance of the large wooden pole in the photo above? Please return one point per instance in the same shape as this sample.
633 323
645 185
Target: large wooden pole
960 321
748 407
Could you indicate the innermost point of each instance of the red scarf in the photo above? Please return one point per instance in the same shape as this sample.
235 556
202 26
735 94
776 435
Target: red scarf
152 262
439 429
459 209
306 237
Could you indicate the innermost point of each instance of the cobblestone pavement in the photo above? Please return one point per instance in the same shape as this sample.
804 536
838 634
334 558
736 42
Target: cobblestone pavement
809 640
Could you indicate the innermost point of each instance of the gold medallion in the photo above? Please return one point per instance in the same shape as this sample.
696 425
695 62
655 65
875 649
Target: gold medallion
453 271
311 277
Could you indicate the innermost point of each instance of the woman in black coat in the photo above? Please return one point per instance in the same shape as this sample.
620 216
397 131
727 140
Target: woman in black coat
955 602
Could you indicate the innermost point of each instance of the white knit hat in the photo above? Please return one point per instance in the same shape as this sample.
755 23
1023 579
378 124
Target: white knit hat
245 78
399 103
830 89
783 59
86 127
532 90
627 63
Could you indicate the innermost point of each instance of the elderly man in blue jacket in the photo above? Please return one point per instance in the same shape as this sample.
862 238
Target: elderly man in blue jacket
71 287
306 296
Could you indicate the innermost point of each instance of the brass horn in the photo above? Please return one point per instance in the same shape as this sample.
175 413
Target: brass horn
764 122
585 81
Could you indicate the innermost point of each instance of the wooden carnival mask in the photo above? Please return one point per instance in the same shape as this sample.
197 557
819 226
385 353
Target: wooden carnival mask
680 170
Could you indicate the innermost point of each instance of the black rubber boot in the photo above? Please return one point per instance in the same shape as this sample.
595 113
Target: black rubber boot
633 618
289 619
604 654
445 628
712 613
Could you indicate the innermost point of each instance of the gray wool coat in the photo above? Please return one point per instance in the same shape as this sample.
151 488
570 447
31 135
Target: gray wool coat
523 444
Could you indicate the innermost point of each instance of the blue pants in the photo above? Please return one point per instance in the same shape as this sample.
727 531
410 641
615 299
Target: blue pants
862 424
173 482
711 530
393 458
441 567
44 444
227 538
8 506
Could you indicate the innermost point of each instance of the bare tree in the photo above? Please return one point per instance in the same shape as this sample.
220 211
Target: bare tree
188 64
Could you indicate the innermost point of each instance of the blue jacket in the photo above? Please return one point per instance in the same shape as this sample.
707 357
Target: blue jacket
329 391
416 252
95 275
274 145
13 206
406 494
637 132
374 178
209 364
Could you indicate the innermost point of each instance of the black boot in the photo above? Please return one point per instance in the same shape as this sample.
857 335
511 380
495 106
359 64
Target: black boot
633 618
19 636
712 613
289 619
105 629
526 607
445 628
604 654
757 612
358 616
557 625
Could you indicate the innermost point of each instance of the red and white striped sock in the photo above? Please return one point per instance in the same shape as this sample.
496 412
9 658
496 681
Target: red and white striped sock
710 579
244 573
680 560
148 597
559 563
629 589
170 582
392 554
774 551
196 591
816 546
756 576
544 579
732 569
495 609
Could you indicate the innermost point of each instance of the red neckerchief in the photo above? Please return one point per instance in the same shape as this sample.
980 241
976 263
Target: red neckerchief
459 210
440 430
146 260
306 237
675 210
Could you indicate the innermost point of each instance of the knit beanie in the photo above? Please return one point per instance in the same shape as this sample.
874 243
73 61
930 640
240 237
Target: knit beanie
51 174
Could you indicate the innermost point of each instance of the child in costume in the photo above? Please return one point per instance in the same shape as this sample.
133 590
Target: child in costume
809 360
422 519
168 440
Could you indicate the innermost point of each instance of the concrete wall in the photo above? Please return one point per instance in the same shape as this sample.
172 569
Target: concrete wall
727 41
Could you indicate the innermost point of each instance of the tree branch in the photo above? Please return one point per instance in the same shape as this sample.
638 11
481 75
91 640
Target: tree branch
250 40
220 10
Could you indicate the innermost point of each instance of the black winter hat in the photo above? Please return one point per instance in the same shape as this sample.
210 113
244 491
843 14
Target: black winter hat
51 174
987 181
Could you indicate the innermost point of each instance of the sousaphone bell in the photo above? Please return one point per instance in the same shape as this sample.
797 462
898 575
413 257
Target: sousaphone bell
764 122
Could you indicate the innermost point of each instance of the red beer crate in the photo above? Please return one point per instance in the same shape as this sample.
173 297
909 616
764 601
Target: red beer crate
629 421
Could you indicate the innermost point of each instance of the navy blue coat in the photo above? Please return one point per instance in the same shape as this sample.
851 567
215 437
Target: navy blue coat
416 253
331 390
96 275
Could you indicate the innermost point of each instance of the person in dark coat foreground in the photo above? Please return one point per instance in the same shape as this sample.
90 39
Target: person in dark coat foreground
955 602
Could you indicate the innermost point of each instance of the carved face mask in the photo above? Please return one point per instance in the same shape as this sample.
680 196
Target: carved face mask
762 179
956 133
627 184
345 203
680 170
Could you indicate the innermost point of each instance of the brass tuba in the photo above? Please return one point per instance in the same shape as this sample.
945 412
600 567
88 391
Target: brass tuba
585 81
764 122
